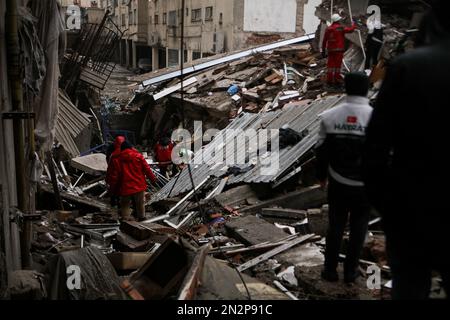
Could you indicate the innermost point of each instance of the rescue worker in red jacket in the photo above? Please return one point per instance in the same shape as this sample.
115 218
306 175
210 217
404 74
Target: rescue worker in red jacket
334 44
112 153
128 176
163 154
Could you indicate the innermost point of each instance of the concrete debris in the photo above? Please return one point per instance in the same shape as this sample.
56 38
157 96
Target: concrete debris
203 222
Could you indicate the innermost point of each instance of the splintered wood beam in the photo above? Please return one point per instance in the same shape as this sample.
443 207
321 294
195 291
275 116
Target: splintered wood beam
273 252
190 284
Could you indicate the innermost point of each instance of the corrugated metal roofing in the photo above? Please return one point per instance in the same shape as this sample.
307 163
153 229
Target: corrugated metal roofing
297 118
70 123
170 73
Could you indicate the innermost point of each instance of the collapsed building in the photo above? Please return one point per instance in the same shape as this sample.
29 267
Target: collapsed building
221 228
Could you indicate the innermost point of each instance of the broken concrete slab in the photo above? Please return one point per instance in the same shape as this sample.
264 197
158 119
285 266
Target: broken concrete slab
221 282
288 275
252 230
93 164
236 196
307 255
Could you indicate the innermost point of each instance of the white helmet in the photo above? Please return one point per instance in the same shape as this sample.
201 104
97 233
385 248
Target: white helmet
335 17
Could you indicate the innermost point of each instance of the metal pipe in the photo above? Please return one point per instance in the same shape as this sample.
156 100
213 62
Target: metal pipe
75 184
54 180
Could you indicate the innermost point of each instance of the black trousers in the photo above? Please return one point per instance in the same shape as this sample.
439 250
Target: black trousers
346 204
373 49
417 244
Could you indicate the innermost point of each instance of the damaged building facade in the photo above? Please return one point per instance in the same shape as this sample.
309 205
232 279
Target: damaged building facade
152 28
216 230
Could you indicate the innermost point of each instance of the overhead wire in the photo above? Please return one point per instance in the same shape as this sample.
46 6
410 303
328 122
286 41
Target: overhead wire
202 213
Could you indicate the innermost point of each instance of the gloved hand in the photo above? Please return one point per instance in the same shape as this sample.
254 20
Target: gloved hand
324 54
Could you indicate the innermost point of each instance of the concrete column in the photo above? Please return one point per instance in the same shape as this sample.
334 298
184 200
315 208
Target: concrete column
120 52
128 53
155 58
190 56
134 55
167 56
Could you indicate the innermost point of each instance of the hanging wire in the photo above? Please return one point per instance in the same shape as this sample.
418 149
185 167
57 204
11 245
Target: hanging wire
202 213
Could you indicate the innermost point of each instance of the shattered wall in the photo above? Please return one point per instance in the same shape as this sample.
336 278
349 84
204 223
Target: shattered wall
310 21
244 38
268 16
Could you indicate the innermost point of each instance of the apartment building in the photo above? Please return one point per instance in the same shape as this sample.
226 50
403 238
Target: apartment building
132 18
83 3
217 26
152 28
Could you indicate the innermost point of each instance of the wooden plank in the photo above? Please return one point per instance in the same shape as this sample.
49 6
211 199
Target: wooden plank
190 284
128 260
84 200
136 230
284 213
175 88
128 243
311 197
284 290
273 252
260 246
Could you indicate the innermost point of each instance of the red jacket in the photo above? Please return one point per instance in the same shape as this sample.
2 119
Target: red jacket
334 39
130 170
164 154
114 167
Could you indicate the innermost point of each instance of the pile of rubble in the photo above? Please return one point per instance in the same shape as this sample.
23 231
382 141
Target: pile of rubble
214 231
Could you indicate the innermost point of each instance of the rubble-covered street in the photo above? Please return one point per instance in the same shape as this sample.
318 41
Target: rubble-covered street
232 218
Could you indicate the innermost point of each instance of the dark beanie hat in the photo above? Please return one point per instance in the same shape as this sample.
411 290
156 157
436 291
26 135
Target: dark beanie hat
126 145
357 84
165 141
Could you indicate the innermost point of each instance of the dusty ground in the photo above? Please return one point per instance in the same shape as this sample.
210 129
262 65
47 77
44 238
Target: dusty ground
118 85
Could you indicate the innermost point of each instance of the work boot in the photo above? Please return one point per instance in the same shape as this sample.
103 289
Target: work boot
330 276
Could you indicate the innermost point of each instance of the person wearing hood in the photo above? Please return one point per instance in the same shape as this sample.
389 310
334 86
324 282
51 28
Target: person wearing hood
163 154
334 44
130 180
112 155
